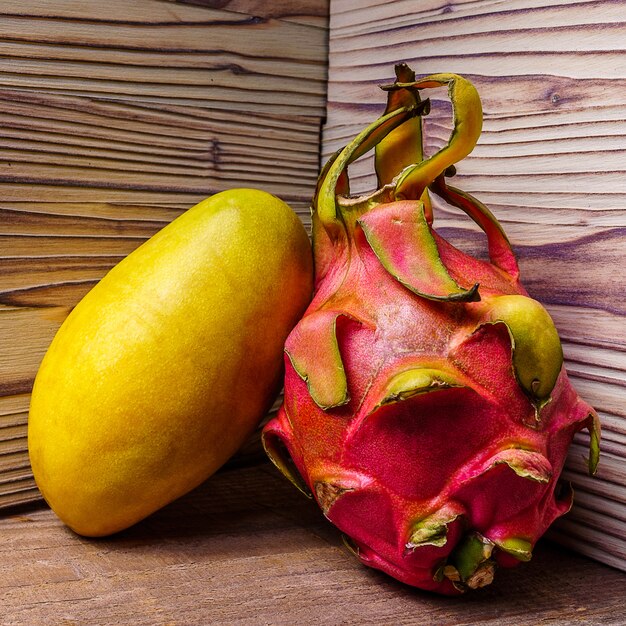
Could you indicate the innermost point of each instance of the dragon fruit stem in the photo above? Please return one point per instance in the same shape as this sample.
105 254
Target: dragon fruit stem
325 203
403 146
468 119
500 251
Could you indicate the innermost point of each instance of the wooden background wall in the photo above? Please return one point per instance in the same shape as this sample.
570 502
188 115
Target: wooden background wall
551 165
116 116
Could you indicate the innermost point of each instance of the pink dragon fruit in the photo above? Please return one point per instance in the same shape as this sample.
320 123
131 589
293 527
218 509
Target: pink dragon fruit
426 405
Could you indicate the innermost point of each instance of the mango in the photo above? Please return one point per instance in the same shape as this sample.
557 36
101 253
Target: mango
168 364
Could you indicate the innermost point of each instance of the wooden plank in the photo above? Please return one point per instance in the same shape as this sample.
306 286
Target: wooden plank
313 12
247 548
69 141
162 52
24 343
597 550
550 164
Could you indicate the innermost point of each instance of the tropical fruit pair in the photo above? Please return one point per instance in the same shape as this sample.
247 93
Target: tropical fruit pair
426 406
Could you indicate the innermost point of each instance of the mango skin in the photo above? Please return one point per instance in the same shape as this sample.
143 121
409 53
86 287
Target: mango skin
167 365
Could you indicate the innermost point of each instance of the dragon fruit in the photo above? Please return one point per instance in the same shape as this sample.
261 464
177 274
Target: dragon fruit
426 405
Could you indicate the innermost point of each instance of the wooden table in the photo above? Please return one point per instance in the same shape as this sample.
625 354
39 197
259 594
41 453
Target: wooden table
246 548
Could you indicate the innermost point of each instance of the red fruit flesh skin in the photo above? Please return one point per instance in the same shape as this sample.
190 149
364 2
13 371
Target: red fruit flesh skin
404 404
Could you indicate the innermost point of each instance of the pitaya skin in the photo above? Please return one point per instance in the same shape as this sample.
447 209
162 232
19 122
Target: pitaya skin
426 405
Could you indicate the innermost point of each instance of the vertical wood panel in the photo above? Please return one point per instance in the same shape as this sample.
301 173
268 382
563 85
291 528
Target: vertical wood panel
114 118
551 165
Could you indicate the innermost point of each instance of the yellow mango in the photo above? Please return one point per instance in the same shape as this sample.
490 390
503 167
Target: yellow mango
167 365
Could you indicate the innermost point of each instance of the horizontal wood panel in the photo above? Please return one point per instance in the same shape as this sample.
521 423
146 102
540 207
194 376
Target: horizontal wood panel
550 164
348 16
313 12
164 52
611 492
21 494
613 525
576 540
65 141
25 334
591 502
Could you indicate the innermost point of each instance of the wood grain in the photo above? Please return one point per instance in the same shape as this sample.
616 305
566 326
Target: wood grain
162 52
301 11
247 548
550 164
114 119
